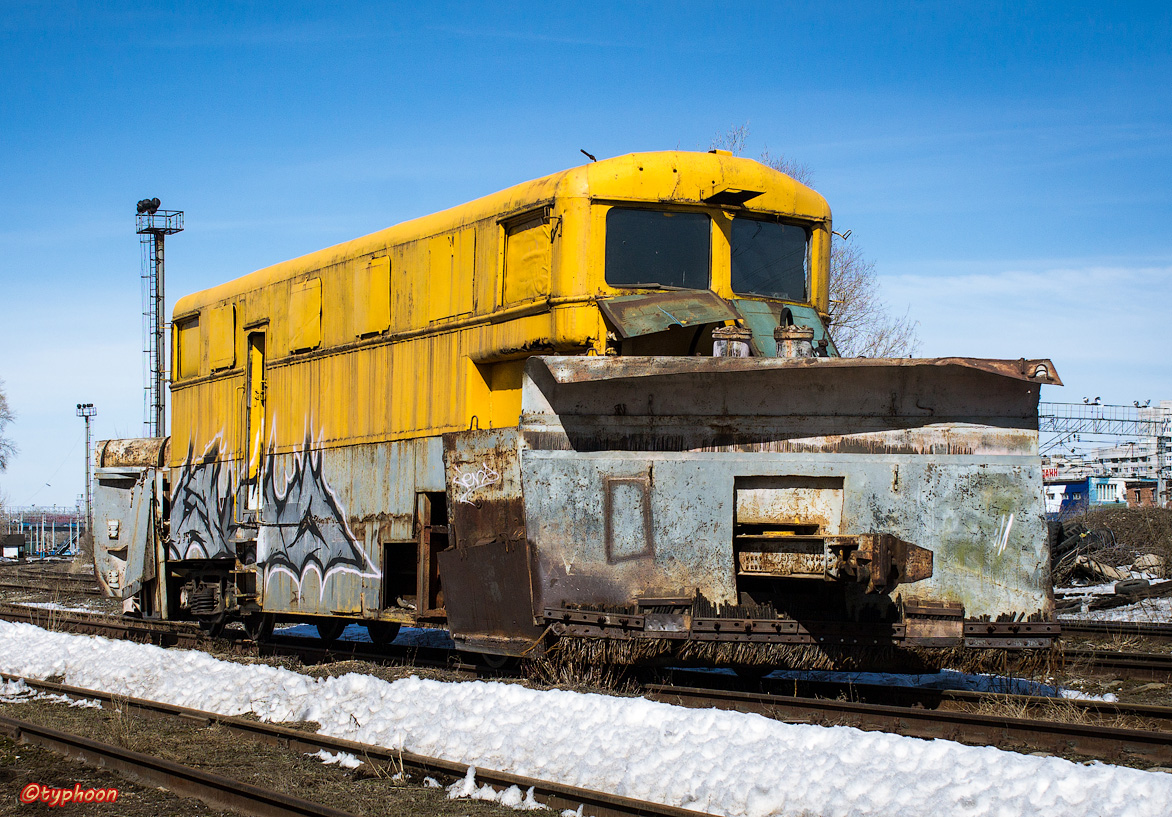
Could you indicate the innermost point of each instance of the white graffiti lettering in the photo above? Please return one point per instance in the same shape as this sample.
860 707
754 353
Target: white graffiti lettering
474 480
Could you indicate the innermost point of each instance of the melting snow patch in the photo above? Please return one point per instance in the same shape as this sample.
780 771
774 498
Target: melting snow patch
725 763
431 783
511 797
18 692
343 759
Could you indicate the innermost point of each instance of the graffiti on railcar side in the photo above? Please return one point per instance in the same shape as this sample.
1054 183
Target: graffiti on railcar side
202 505
471 481
303 528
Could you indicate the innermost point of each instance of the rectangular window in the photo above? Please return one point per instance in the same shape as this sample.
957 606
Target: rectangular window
222 337
187 348
652 248
769 259
528 258
372 297
305 315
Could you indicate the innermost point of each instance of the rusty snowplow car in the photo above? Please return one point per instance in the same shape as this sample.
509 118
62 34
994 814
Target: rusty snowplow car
601 408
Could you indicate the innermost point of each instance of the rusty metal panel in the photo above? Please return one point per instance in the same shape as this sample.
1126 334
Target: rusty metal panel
634 315
762 317
941 455
790 501
486 576
487 595
689 519
580 369
112 513
140 535
483 486
325 516
147 452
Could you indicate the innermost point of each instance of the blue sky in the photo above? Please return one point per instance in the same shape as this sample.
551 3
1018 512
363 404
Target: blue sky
1008 167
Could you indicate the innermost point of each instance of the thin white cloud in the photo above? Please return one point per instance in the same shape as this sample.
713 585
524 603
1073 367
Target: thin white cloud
1105 327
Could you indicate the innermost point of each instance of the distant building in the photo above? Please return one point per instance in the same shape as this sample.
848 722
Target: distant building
1113 475
1141 493
1074 497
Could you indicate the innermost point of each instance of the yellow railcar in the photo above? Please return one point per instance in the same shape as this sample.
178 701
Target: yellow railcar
609 389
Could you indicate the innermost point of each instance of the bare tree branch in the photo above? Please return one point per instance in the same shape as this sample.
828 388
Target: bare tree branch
7 447
861 322
798 171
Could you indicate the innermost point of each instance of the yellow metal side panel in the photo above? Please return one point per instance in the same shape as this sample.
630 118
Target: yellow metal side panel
487 275
573 259
222 337
189 349
371 297
206 417
449 282
409 290
257 394
820 268
720 264
505 383
406 395
439 277
305 315
528 262
464 268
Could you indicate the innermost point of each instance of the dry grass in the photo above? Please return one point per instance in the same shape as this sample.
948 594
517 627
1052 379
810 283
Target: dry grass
373 790
1138 531
1058 710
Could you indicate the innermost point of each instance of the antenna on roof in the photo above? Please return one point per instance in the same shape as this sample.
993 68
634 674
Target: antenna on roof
589 156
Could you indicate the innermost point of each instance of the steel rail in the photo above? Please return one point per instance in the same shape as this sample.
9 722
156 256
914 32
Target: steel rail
164 634
1159 718
1152 631
187 635
1155 666
186 781
1143 665
60 584
963 727
555 795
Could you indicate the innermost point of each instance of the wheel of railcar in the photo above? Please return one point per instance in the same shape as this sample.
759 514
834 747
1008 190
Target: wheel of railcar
329 631
752 676
382 633
497 661
213 625
259 626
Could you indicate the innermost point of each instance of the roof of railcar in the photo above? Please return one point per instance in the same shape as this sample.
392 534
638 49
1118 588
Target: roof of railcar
673 175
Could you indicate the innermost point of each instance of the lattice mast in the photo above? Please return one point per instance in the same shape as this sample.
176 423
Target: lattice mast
152 226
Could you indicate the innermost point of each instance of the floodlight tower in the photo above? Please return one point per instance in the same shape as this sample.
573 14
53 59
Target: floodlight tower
86 411
152 225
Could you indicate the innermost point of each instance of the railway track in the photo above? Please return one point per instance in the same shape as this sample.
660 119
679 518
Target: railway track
914 712
552 794
1004 732
1155 632
185 781
1154 718
66 583
1152 666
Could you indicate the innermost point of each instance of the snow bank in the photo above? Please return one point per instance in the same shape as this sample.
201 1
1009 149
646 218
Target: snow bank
1144 611
708 760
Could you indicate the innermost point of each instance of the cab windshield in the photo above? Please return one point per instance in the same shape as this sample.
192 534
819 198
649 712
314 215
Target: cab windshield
657 249
770 259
